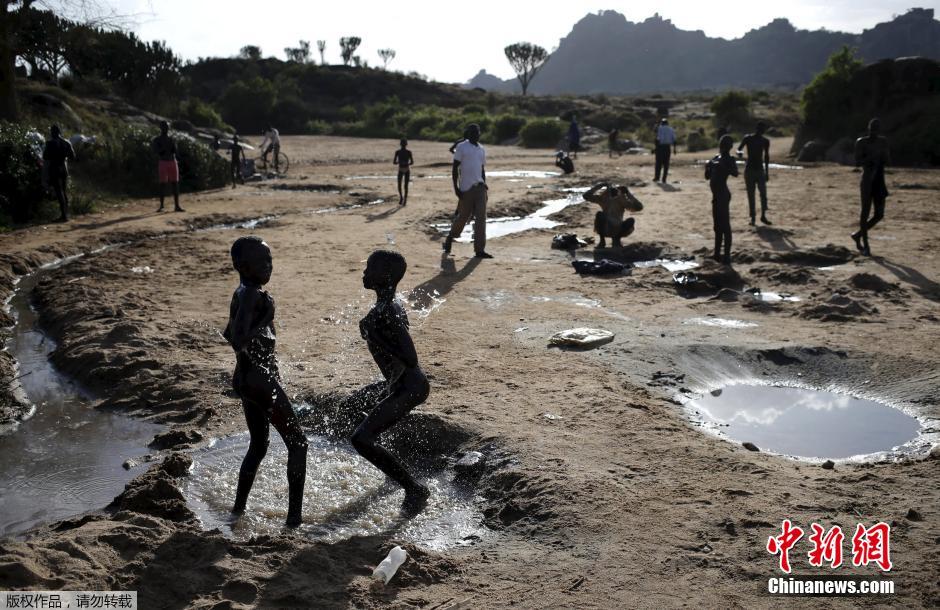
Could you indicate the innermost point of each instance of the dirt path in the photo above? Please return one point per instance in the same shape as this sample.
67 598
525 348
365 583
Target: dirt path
617 500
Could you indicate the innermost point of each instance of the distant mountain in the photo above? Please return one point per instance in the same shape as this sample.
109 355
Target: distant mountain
605 53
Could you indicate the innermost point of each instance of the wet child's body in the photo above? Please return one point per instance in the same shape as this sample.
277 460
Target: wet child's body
250 331
385 329
717 171
404 159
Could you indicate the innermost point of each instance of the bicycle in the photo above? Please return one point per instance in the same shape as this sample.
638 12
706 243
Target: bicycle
283 162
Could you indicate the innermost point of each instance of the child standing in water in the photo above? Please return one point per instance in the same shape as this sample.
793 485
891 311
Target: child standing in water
385 329
405 160
250 331
717 171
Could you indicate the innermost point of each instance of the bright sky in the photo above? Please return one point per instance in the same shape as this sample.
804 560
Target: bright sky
452 41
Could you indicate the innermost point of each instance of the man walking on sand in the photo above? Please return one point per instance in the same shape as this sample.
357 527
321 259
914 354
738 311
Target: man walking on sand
665 146
757 170
469 175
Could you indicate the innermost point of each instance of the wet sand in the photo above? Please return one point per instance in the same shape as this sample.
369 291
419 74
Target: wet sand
598 490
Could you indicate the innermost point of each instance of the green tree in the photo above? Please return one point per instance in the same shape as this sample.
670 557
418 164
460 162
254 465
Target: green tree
526 59
732 109
827 98
321 47
247 105
299 54
251 52
349 44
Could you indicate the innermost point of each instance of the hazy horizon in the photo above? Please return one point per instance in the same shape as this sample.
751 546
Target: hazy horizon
434 39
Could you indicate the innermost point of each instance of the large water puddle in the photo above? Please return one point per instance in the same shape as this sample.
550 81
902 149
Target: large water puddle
522 173
668 264
344 496
67 458
503 226
806 423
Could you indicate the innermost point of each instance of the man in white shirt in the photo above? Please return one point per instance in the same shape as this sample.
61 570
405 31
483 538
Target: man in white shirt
469 176
665 145
272 139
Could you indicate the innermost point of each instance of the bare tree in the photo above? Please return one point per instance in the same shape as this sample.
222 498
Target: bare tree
526 59
299 54
386 55
321 47
13 14
349 44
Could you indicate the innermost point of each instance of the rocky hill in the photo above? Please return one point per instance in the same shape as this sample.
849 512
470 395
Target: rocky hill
606 53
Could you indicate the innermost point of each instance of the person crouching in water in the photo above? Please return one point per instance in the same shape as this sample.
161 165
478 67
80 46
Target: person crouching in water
385 330
256 381
609 222
717 171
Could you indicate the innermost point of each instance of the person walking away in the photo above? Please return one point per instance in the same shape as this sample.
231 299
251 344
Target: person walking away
469 176
56 156
756 169
665 146
574 136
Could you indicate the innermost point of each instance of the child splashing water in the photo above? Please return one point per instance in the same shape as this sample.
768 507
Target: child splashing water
250 331
385 330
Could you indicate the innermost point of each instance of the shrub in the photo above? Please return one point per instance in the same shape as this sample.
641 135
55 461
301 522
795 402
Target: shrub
125 163
348 114
732 109
507 127
828 98
318 128
697 141
20 173
202 114
542 133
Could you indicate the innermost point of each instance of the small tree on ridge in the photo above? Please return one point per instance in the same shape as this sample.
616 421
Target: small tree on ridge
349 44
386 55
526 59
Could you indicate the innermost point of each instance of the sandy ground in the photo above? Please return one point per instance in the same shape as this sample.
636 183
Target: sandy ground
620 501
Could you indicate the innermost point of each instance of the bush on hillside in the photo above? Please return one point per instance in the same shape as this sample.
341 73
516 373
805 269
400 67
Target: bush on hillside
732 110
542 133
20 174
507 127
202 114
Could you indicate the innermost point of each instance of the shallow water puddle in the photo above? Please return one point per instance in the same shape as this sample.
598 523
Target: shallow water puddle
66 458
667 264
743 162
775 297
522 173
501 227
720 322
804 422
344 496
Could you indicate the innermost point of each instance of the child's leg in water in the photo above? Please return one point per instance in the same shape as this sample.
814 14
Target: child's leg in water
386 414
267 399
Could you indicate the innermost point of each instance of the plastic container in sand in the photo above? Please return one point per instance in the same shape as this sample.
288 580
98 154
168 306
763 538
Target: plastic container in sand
386 570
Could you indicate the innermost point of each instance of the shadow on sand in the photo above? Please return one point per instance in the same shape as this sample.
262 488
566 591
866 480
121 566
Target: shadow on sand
779 239
442 283
924 286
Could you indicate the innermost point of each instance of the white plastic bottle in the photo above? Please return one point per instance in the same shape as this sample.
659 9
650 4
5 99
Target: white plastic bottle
385 570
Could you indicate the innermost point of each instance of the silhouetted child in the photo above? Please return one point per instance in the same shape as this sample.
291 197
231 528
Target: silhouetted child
238 157
717 171
250 331
404 159
385 329
871 154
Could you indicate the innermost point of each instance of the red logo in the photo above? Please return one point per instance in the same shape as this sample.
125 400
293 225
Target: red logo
869 545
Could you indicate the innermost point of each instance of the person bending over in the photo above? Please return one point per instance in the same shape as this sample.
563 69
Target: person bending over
609 222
